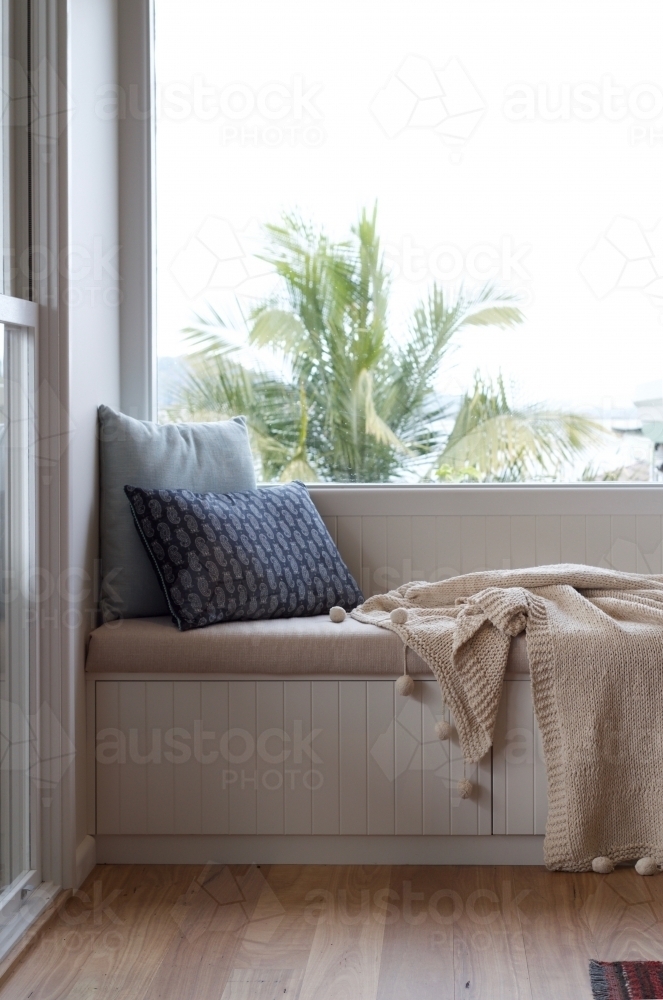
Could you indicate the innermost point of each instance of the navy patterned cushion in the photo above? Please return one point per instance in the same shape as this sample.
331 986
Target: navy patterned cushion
223 557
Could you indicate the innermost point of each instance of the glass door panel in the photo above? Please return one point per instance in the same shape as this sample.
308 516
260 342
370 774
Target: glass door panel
18 753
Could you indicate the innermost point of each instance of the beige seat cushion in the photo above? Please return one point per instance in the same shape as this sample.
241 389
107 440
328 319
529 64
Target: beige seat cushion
282 646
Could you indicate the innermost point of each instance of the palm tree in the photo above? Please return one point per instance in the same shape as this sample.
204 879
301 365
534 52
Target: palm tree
493 442
346 402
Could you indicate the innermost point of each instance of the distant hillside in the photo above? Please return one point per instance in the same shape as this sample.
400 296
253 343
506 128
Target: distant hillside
171 375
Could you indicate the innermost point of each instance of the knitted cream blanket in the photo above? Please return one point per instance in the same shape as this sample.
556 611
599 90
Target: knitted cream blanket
595 648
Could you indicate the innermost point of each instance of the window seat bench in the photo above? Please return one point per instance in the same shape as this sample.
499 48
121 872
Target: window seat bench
288 698
287 741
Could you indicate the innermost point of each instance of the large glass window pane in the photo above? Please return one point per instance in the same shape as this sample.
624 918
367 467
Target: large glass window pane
415 240
18 117
17 735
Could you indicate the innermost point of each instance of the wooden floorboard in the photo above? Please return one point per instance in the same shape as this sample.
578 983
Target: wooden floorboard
557 941
211 917
344 960
306 932
417 960
623 915
489 948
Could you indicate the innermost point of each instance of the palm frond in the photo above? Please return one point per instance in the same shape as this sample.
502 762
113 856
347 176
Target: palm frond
278 328
375 425
500 316
493 441
352 402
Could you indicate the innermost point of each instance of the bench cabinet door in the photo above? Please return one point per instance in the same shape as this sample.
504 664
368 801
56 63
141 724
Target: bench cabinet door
519 776
280 757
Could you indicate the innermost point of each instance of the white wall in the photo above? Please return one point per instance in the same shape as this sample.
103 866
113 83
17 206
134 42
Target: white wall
93 295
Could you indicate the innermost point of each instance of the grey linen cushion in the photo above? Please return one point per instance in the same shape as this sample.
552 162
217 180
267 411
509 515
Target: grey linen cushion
262 553
204 457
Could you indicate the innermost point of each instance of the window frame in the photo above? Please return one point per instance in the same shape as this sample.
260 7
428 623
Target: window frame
136 106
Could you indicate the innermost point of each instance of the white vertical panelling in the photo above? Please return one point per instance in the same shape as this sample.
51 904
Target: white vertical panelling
242 799
348 531
352 756
381 774
380 765
472 544
90 756
447 531
519 777
387 551
409 759
435 763
324 716
215 774
572 531
399 549
271 747
649 544
108 774
499 768
519 757
133 774
548 540
160 772
523 541
624 544
597 540
437 546
186 757
331 525
374 578
463 811
484 798
424 563
473 815
301 763
498 542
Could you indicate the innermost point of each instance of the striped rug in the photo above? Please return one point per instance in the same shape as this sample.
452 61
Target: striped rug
626 980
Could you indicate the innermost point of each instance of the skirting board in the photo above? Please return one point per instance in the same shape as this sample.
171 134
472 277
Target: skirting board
86 859
320 850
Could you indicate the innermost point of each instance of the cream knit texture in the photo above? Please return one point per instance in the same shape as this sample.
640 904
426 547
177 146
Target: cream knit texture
595 648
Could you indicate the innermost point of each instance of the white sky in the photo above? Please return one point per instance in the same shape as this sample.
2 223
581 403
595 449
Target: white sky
551 187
